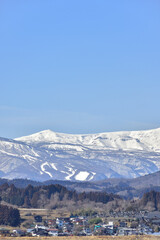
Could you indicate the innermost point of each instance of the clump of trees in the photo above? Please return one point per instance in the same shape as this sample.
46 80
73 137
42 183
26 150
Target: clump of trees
9 216
151 201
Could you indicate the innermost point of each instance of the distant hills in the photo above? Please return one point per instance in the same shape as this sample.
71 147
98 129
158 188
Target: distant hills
54 196
126 188
48 155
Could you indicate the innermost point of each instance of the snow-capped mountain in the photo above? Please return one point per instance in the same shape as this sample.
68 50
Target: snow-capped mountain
50 155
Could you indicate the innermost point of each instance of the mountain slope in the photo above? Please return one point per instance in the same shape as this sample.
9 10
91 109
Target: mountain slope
49 155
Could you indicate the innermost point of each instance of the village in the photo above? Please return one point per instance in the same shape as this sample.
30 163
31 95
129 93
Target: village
115 224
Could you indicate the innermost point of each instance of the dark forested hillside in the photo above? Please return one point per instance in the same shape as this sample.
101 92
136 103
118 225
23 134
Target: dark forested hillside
55 196
40 195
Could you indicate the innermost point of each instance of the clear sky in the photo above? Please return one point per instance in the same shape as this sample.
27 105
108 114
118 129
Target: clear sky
79 66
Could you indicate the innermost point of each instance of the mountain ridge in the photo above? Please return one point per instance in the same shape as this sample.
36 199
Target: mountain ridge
101 139
80 157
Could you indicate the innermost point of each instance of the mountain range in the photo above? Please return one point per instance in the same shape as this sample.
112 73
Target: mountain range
89 157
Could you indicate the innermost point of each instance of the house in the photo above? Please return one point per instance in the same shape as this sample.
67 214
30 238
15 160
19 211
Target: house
18 233
122 231
59 222
53 232
40 231
143 229
66 219
50 223
87 231
109 228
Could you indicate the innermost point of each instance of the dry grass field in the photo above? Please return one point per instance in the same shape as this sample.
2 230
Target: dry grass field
45 213
85 238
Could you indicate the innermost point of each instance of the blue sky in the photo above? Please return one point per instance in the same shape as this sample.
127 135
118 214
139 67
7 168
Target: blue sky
82 66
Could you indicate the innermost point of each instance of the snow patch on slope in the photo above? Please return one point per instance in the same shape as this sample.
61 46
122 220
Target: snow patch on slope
54 166
43 169
82 176
92 176
72 172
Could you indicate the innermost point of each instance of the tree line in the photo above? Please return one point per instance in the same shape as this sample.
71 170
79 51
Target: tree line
35 196
55 196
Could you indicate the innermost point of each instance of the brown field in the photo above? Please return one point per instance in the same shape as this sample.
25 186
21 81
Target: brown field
85 238
45 212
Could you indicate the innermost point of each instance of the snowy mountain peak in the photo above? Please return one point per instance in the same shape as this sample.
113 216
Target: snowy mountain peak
46 135
83 157
148 140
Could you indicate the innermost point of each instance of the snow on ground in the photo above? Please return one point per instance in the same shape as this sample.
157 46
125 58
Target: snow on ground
54 166
93 174
82 176
63 172
70 170
43 169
